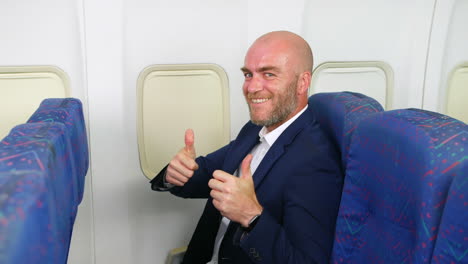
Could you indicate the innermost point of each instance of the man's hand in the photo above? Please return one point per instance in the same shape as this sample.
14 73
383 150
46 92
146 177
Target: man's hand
235 197
183 165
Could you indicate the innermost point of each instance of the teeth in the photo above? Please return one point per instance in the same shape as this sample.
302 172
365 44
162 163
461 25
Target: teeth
258 101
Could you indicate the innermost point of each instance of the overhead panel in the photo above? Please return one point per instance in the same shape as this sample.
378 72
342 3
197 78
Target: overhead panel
173 98
374 79
23 88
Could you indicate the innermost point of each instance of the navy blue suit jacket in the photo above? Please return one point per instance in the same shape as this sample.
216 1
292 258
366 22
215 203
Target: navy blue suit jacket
299 185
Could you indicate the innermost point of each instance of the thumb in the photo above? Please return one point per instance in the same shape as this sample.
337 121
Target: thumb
190 142
245 167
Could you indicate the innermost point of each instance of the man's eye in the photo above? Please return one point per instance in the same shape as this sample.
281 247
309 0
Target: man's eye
269 74
248 75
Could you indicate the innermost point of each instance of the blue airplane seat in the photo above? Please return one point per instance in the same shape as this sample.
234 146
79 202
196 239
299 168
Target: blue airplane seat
29 230
41 150
400 167
452 241
339 113
68 111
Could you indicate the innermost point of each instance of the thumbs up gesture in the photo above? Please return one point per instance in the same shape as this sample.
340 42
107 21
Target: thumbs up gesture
189 143
235 197
183 165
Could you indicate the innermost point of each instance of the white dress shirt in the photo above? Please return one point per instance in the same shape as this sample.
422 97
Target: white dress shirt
267 139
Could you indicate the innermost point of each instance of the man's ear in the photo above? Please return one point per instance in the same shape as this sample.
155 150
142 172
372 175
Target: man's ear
303 82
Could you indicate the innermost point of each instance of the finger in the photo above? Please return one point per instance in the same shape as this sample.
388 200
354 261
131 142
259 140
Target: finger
217 205
183 167
174 180
216 195
190 142
215 185
174 174
188 162
245 167
222 175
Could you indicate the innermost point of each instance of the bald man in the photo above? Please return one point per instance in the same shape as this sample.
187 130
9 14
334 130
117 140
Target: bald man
273 192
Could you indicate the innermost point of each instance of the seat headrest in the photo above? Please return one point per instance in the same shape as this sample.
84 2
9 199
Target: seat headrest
339 113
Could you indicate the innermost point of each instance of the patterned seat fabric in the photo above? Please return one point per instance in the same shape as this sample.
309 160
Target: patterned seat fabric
40 150
68 111
400 166
339 113
29 230
452 241
42 168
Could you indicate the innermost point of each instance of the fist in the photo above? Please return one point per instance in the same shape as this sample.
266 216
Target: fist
235 197
183 165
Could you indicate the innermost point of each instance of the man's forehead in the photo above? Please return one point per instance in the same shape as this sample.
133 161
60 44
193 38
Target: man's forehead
266 55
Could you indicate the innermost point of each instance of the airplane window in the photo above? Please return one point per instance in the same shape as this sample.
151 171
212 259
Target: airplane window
172 98
23 88
457 94
374 79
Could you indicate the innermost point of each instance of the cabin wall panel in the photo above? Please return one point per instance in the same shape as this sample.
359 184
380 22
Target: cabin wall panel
109 147
43 33
395 32
449 40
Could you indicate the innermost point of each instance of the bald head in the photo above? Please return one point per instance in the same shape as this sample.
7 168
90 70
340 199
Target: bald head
292 45
277 70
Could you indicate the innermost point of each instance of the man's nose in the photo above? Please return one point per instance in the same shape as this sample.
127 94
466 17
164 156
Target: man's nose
254 85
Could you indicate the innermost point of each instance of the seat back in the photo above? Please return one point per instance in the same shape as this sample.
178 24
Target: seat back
400 166
68 111
38 178
452 241
42 169
339 113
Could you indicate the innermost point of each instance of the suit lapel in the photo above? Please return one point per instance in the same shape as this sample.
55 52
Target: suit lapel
278 148
242 148
245 144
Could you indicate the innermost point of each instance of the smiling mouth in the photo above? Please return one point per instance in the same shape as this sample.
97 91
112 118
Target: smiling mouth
259 100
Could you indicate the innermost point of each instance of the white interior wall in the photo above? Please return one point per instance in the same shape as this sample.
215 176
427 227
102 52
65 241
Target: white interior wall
109 146
395 32
43 33
448 50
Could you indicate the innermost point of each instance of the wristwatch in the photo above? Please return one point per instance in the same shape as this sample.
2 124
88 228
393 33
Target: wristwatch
252 223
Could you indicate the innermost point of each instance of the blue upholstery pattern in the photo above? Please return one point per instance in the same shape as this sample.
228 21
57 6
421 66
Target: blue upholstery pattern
400 166
29 232
68 111
339 113
41 148
50 145
42 169
452 241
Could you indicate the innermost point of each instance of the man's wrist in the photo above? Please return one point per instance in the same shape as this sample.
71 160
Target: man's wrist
253 221
253 216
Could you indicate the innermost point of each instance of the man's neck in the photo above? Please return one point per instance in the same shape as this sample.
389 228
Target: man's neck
294 115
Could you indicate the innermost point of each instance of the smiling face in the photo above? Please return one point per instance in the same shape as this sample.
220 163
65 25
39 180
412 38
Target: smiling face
274 85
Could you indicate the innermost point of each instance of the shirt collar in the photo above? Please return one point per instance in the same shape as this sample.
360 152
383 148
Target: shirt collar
271 137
